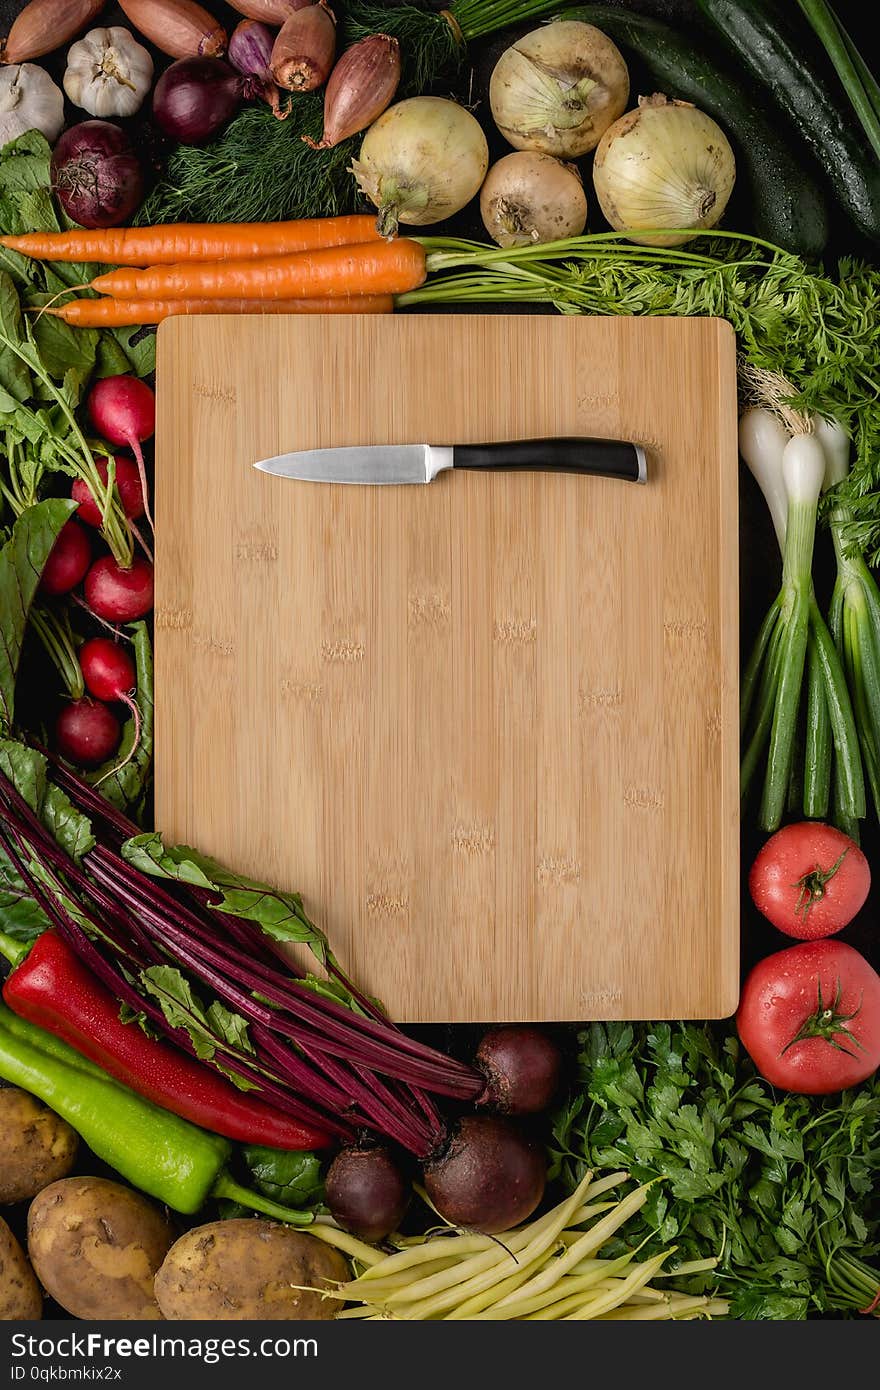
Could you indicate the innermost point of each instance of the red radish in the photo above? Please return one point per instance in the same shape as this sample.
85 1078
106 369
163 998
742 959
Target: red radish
128 485
123 409
87 733
68 561
109 674
108 670
118 595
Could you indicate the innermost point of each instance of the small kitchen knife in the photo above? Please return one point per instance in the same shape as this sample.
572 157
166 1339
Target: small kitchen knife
420 463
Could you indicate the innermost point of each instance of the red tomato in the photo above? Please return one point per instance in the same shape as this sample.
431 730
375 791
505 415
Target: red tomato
809 880
809 1017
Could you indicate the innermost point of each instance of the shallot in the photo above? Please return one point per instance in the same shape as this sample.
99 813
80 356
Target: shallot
180 28
361 87
305 48
44 25
250 53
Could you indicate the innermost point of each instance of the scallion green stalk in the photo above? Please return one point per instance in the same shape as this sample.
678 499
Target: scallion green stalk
854 612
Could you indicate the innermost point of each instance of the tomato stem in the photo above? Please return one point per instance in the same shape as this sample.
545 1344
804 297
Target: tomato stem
827 1022
812 885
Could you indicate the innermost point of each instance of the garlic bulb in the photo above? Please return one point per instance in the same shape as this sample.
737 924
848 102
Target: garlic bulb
29 100
108 73
666 164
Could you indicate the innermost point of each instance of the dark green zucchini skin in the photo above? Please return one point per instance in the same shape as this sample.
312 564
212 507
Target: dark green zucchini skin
787 205
772 51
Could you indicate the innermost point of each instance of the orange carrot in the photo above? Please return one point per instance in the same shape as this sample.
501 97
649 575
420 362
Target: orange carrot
334 272
173 242
117 313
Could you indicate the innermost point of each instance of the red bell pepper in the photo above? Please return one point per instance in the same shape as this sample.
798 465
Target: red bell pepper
52 988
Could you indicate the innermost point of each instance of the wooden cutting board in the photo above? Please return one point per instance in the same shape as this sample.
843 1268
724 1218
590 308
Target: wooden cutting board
487 727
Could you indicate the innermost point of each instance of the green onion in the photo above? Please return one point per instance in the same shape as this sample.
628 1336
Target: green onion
854 612
794 650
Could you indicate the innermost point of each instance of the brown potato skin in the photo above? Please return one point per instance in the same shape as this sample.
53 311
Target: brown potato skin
96 1246
20 1297
245 1268
36 1146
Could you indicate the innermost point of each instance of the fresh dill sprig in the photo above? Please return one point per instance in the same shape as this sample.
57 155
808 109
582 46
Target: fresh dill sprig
260 170
816 328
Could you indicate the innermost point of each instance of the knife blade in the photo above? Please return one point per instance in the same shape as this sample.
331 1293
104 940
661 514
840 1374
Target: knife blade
421 463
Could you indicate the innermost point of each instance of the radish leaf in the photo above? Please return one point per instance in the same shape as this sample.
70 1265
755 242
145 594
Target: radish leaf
21 564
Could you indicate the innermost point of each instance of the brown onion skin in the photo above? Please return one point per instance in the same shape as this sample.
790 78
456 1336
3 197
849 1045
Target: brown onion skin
489 1177
361 86
180 28
269 11
522 1066
305 48
366 1192
44 25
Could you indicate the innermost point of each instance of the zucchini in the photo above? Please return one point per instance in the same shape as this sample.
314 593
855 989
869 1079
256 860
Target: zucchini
787 205
773 52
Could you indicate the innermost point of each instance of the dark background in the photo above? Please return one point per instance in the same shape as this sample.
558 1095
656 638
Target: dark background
759 562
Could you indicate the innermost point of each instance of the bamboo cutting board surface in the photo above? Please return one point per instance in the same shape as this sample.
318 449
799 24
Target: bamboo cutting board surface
488 727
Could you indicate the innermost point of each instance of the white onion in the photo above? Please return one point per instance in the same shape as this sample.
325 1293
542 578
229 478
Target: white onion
529 198
665 164
421 162
558 89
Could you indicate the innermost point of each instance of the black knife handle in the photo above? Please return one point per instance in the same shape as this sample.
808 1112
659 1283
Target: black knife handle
609 458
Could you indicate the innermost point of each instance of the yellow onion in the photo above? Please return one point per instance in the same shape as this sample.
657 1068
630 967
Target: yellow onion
529 198
665 164
558 89
421 162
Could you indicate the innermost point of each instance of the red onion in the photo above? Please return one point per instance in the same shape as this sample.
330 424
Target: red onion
305 48
250 53
196 96
361 86
96 175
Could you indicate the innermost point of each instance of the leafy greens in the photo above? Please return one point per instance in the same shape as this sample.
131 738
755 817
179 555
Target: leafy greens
781 1187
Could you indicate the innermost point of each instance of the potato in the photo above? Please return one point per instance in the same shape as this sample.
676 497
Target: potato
20 1297
36 1146
240 1269
96 1246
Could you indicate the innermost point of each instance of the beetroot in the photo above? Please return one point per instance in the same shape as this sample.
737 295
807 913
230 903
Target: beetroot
128 485
488 1177
87 733
118 595
68 561
366 1192
521 1065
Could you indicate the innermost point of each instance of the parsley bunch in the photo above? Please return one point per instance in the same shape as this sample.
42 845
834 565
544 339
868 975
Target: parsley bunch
782 1187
